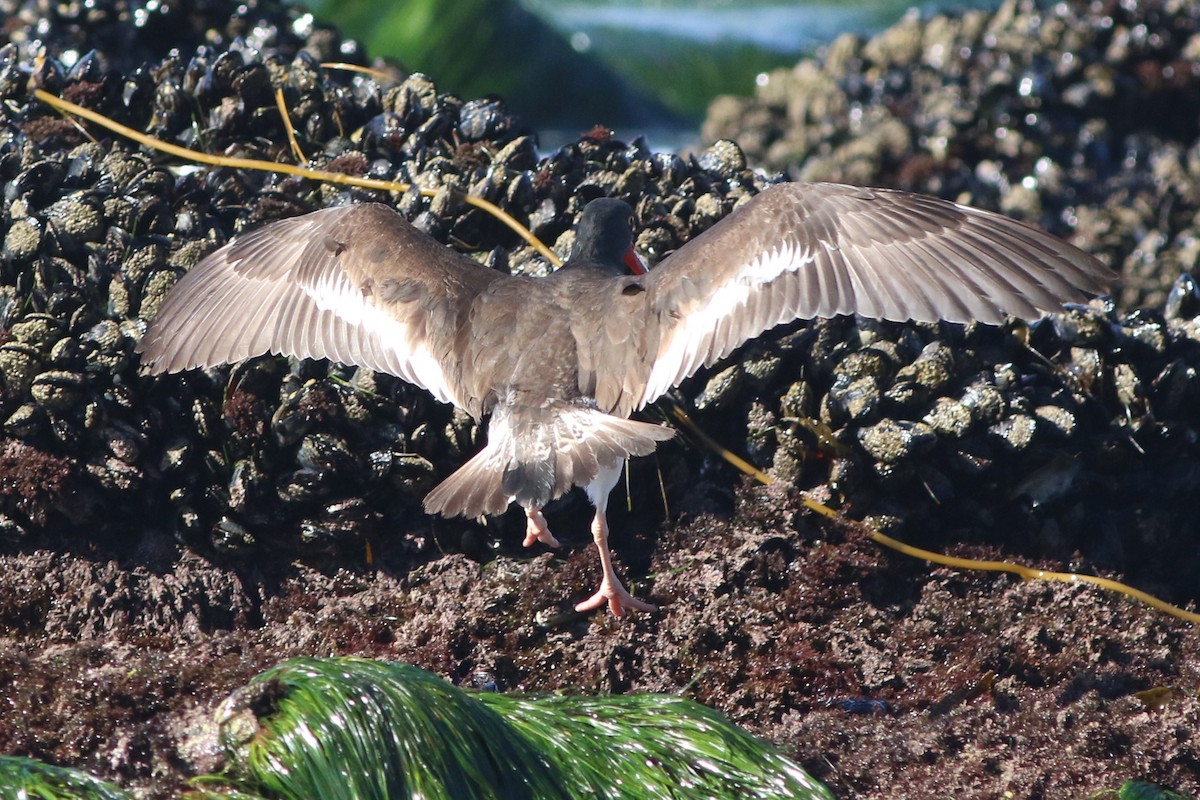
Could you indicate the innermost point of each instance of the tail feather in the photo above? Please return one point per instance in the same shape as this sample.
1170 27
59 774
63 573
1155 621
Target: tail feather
474 489
535 454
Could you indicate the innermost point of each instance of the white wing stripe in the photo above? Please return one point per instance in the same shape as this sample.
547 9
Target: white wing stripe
686 348
392 340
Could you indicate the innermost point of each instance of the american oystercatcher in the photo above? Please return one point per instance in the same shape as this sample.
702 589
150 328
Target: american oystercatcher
559 363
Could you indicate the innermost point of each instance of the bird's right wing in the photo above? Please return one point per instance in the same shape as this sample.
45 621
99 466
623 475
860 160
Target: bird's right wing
356 284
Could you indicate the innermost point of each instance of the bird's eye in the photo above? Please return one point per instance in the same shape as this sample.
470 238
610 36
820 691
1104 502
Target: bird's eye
631 289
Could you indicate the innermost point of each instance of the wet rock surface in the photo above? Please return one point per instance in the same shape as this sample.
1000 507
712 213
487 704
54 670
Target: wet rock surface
166 538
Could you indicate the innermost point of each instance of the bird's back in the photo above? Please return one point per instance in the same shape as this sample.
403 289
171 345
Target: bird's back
517 339
537 349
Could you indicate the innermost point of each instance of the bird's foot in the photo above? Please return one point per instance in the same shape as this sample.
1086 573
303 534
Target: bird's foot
612 592
536 529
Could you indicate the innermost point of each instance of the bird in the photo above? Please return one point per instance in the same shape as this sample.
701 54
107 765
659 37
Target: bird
557 364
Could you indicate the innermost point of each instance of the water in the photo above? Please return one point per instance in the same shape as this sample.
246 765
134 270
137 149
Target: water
789 29
637 66
792 28
684 53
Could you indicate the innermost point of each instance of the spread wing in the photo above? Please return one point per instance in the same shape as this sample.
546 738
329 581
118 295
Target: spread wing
819 250
355 284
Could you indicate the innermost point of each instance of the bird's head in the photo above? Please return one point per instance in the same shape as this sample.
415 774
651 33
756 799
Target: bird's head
604 237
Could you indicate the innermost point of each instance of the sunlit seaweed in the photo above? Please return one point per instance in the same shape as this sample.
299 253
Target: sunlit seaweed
26 778
356 728
1140 790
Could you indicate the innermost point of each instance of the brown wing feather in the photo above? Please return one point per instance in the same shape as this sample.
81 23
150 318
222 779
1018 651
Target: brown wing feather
819 250
609 325
355 284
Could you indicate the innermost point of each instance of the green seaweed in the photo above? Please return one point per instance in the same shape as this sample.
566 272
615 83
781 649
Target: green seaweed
1140 790
224 792
28 779
355 728
651 746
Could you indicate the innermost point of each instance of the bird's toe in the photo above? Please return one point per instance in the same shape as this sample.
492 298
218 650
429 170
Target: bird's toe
618 598
536 529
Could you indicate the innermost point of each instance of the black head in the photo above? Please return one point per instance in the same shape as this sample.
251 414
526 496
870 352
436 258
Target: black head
604 235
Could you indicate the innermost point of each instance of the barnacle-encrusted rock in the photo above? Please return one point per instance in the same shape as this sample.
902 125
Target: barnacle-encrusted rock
949 418
19 364
909 420
23 240
891 441
58 391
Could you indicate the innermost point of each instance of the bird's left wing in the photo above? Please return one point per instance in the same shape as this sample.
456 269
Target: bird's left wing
819 250
356 284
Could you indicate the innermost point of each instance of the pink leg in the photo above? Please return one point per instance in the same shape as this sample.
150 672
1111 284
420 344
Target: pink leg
536 529
611 590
